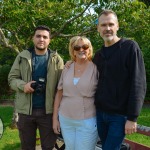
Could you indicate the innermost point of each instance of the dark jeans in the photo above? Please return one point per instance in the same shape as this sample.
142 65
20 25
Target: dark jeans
27 126
111 130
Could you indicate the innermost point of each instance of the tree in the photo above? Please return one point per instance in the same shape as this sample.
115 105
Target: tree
67 18
18 18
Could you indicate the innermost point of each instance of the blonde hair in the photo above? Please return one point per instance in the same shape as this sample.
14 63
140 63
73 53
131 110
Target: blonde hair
74 41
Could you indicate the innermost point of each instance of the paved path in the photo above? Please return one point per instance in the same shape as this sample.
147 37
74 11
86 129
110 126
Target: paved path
38 147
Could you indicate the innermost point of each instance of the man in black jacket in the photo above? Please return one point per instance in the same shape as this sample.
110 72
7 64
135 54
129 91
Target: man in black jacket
122 83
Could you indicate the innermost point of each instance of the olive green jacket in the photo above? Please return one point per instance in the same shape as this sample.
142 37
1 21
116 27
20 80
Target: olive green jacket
21 73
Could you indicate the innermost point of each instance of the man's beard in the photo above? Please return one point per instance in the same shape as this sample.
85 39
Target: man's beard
40 49
108 39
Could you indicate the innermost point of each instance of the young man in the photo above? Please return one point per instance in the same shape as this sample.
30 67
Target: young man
34 76
121 86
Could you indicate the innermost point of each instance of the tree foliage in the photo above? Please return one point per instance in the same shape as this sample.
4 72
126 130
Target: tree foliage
67 18
147 2
19 18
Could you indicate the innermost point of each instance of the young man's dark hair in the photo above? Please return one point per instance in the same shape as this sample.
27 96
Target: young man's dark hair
42 27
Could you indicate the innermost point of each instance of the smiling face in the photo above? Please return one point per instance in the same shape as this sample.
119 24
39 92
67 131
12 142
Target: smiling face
41 40
83 52
108 27
80 48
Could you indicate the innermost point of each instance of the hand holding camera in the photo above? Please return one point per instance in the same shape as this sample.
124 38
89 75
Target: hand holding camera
39 86
28 88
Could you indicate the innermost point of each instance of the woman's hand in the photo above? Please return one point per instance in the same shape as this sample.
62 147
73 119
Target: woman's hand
56 126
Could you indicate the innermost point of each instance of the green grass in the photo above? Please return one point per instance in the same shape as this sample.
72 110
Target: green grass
139 138
10 139
9 97
144 118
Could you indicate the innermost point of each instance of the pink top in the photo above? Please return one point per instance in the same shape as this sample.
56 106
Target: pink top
78 100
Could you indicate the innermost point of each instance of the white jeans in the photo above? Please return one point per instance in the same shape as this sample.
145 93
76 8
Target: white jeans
79 134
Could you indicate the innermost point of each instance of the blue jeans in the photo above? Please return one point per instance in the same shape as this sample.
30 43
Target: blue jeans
111 129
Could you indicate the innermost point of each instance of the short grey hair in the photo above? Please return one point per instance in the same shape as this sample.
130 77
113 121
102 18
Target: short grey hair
107 12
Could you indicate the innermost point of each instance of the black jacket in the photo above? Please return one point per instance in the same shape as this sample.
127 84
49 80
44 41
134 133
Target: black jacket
122 81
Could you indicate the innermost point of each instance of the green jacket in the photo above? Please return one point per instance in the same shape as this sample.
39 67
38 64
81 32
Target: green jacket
21 73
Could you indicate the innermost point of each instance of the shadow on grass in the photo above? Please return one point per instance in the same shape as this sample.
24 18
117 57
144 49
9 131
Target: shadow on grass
15 146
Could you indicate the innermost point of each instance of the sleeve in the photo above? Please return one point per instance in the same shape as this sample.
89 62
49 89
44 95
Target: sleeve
60 66
138 82
98 61
60 83
95 58
14 77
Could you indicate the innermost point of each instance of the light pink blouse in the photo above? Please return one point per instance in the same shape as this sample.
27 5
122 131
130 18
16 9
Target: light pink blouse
78 100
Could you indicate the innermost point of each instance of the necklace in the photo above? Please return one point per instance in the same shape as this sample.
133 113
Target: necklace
79 67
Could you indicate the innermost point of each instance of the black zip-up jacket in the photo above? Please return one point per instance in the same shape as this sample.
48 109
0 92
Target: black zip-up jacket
122 80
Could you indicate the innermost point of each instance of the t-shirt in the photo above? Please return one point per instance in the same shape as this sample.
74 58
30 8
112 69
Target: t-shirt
39 71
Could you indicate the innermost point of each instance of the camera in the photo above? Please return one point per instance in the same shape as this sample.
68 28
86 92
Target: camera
39 86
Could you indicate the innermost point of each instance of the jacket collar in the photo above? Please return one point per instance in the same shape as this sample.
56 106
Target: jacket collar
27 53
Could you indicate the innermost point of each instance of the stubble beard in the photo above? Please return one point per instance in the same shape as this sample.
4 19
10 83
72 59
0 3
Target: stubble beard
40 49
108 39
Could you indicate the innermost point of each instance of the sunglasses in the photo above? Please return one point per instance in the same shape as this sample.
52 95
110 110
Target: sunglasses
84 47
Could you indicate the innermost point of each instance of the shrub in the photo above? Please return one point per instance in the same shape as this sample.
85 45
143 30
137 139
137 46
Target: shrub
4 88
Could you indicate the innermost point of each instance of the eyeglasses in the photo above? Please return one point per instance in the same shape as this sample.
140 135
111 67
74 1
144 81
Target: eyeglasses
84 47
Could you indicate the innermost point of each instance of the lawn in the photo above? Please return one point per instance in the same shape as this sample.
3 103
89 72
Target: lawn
10 139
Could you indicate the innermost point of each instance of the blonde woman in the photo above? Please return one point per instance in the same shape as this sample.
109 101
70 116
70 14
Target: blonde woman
74 109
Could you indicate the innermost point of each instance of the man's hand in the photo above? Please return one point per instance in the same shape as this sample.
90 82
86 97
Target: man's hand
27 87
130 127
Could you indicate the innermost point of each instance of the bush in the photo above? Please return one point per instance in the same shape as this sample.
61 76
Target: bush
4 88
147 66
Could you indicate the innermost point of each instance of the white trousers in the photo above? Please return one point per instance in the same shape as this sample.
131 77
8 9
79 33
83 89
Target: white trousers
79 134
